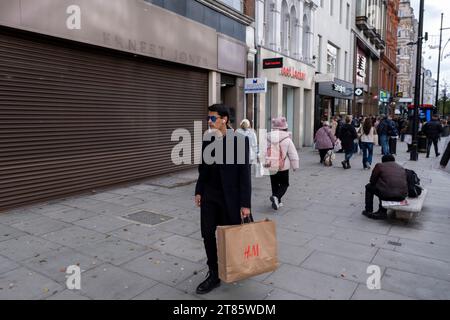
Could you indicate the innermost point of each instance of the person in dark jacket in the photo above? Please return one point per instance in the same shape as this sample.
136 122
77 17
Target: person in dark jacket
223 190
389 183
433 131
386 129
348 135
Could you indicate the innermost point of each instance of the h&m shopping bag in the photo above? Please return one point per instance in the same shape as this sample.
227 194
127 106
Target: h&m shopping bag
246 250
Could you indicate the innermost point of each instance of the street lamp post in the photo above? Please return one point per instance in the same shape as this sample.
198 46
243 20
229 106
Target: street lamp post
414 150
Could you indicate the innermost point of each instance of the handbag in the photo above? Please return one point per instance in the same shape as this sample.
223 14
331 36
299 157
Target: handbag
259 170
246 250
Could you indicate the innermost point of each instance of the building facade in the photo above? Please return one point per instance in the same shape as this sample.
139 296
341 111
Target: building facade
406 55
334 60
369 44
388 70
91 96
285 29
429 88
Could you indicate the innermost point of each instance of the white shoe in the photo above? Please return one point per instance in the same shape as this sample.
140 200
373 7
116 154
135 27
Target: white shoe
281 205
275 202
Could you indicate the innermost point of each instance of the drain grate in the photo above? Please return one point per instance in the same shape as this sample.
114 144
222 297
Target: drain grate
148 218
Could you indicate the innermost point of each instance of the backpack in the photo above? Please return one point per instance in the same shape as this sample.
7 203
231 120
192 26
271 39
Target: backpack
274 157
414 188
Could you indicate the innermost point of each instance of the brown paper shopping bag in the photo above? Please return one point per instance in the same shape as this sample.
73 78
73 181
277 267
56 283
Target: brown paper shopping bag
246 250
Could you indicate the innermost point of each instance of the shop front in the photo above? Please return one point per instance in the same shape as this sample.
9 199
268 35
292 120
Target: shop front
289 94
333 98
91 97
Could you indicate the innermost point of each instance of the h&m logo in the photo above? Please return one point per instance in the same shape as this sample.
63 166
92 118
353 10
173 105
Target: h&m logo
251 251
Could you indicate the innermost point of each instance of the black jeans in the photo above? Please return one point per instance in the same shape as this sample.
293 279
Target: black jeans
393 145
323 153
446 156
370 192
280 184
434 141
213 214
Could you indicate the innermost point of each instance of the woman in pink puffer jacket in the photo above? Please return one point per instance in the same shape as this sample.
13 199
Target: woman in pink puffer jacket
324 140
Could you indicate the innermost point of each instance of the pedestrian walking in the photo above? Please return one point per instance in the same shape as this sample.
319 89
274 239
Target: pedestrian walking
433 131
223 190
324 140
284 157
348 136
247 131
367 138
386 129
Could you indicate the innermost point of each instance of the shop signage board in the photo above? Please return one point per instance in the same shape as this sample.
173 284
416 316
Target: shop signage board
255 85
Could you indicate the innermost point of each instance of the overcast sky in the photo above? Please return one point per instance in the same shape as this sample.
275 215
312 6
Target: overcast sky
432 24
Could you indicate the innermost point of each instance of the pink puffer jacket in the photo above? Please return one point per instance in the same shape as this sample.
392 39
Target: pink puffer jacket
287 147
324 139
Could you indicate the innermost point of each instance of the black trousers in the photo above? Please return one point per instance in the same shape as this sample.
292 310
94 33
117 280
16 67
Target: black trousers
280 184
446 156
393 145
434 141
323 153
372 191
213 214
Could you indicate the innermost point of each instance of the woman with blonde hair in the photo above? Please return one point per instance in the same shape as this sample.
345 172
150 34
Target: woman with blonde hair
246 130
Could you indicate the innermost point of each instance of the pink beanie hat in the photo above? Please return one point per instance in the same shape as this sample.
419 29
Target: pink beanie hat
279 123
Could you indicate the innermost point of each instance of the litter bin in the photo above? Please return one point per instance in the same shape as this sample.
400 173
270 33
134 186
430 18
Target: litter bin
422 144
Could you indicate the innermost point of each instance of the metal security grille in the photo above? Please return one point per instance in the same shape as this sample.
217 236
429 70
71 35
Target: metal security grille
74 117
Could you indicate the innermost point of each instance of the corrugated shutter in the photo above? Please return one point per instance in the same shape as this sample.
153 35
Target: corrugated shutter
73 119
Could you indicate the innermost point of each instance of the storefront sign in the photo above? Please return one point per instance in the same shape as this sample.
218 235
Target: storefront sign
292 73
274 63
255 85
359 92
339 88
361 67
384 96
133 26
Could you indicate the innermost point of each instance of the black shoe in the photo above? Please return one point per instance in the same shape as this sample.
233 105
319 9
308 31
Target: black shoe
367 213
348 165
275 203
438 155
375 216
212 281
344 164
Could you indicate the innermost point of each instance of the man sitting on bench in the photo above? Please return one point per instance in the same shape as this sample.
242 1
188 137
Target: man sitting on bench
388 182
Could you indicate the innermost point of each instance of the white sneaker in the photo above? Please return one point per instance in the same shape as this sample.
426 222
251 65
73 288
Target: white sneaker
275 202
281 205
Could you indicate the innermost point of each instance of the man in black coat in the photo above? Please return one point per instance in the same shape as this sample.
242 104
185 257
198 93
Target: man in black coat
433 131
223 190
389 183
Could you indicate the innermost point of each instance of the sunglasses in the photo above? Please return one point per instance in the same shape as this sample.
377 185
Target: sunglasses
212 118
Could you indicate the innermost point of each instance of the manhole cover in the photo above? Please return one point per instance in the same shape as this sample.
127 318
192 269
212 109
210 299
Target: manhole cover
146 217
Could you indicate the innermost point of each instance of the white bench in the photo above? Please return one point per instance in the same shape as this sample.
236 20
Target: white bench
412 209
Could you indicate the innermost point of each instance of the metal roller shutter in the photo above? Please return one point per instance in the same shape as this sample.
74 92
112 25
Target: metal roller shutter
73 119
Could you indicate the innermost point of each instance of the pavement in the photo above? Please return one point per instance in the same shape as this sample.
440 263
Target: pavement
325 244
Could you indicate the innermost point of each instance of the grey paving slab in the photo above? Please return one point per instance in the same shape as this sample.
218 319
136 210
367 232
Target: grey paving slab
107 282
163 268
293 237
311 284
365 238
74 236
71 215
428 250
363 293
412 285
7 265
359 222
342 248
414 264
53 264
67 295
183 247
104 195
24 284
338 267
310 227
40 226
9 218
421 235
127 201
279 294
25 247
97 206
196 235
140 234
114 250
298 217
7 232
241 290
180 227
164 292
293 254
45 208
103 224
